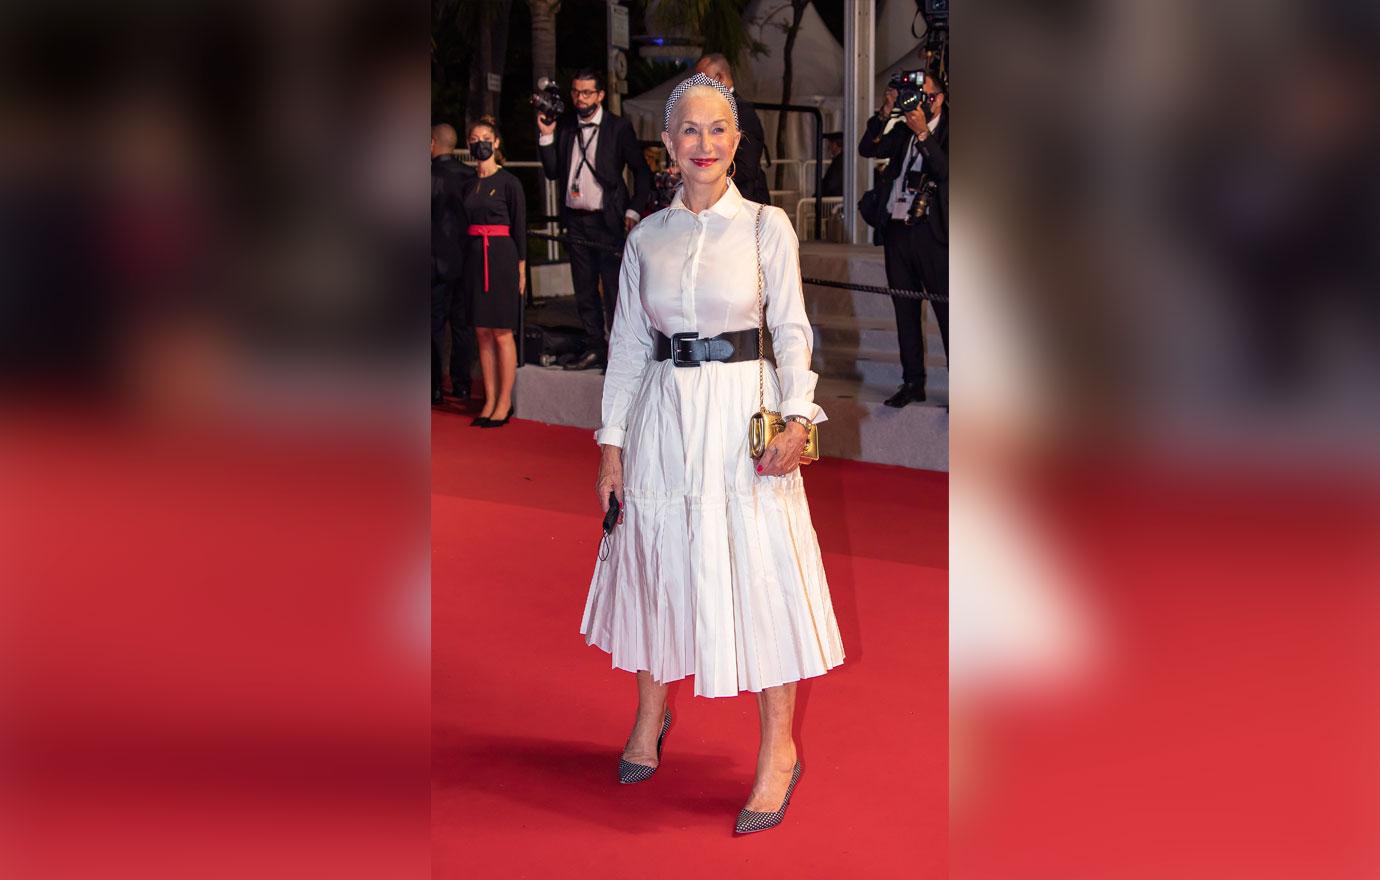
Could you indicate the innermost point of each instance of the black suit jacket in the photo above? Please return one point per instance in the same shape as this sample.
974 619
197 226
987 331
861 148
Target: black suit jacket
935 151
748 175
448 176
617 147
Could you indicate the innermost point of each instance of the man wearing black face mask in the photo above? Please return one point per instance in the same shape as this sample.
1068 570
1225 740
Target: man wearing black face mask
448 174
586 151
916 234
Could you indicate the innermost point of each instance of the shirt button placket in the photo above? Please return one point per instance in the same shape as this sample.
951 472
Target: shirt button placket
692 271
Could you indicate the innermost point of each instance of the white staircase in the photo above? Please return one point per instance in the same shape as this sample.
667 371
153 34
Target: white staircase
859 366
855 355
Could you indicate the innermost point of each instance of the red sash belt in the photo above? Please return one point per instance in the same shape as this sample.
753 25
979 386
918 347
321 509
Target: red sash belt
487 231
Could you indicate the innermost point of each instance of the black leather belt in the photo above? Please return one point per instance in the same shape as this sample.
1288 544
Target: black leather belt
691 350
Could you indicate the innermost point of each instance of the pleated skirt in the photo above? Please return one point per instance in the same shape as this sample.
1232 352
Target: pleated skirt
715 571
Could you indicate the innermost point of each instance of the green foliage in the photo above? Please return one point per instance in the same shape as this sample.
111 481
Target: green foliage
720 23
648 73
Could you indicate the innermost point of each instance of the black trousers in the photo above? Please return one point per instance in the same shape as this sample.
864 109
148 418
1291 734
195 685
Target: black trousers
588 266
449 303
462 342
916 260
440 305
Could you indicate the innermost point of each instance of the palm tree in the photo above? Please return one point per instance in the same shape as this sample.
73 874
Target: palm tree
788 70
719 23
543 38
490 20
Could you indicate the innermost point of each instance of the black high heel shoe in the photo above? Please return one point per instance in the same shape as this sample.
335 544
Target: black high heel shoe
498 423
750 820
480 422
628 772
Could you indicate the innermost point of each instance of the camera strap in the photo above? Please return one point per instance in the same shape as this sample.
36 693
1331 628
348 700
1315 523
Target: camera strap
913 154
905 194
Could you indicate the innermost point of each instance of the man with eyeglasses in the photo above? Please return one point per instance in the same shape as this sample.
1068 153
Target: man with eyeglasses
915 232
586 151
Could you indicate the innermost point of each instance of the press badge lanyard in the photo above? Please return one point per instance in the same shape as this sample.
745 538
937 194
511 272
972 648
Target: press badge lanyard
584 157
906 194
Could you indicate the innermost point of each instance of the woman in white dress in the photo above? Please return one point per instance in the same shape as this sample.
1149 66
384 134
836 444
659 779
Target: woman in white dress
714 568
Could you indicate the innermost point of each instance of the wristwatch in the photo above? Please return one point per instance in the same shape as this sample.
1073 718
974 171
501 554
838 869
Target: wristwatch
804 422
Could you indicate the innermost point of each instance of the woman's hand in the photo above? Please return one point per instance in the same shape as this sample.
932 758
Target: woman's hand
522 277
610 477
783 453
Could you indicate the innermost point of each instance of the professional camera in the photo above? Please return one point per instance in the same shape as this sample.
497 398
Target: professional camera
547 100
926 190
910 91
664 186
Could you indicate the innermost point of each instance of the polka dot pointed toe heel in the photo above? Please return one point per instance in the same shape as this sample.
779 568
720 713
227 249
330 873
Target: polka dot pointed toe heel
750 821
629 773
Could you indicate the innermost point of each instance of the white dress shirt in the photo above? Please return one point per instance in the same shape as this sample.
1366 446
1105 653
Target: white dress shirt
591 195
898 205
686 272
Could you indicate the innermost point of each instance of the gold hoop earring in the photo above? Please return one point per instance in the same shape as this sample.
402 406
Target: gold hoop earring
732 168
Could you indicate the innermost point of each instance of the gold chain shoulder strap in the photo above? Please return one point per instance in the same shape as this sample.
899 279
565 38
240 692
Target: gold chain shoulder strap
764 425
761 317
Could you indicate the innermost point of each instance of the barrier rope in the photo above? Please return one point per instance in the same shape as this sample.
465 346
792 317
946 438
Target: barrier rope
902 292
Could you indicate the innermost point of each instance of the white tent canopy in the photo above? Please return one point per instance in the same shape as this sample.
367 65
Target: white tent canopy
817 79
896 42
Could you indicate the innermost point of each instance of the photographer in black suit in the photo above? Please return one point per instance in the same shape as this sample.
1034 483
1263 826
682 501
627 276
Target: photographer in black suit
585 151
747 161
915 214
448 174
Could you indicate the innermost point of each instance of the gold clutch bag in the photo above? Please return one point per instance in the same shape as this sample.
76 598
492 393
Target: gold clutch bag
764 424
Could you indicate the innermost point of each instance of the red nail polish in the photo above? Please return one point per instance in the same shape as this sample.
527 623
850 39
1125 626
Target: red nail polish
759 469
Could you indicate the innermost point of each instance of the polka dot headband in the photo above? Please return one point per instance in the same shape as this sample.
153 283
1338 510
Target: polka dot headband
693 82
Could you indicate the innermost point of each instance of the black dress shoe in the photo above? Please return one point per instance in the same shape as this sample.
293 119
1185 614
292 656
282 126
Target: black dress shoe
460 392
498 423
437 397
910 392
480 422
585 361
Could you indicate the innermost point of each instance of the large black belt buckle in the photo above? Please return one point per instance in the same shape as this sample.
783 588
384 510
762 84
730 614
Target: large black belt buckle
676 347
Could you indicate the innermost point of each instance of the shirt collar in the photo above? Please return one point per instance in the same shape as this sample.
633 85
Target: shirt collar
728 205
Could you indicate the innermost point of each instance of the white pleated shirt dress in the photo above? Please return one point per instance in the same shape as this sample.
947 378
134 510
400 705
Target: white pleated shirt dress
715 571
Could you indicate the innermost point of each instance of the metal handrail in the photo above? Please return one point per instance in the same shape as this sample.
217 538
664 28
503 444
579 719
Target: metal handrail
819 151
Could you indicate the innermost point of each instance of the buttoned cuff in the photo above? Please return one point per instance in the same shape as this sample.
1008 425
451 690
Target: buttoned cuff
803 407
545 140
636 217
610 436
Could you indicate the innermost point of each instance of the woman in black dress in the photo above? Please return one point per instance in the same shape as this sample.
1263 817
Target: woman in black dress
495 269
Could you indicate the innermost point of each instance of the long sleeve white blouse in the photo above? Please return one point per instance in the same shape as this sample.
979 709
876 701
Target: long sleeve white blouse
686 272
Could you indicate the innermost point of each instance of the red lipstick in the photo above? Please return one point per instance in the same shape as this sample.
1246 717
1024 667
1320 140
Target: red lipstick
704 163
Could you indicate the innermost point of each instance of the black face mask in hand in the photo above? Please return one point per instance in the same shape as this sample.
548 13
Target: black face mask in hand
481 150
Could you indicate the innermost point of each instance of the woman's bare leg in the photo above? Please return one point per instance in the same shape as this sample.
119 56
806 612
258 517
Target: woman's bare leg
651 714
776 755
507 371
488 367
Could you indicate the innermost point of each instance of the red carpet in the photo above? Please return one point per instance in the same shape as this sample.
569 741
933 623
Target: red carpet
529 722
